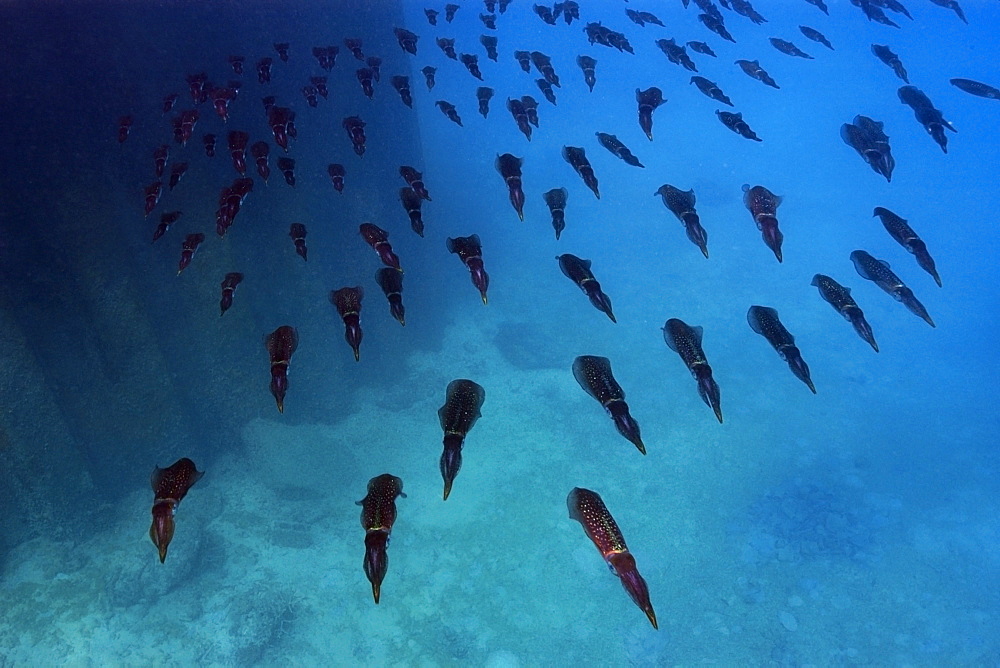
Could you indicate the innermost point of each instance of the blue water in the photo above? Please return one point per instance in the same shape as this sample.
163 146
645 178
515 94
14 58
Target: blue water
854 527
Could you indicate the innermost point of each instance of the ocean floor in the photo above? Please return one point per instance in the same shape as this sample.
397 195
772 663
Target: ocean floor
803 553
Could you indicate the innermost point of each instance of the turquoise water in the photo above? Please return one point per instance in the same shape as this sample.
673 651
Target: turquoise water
857 526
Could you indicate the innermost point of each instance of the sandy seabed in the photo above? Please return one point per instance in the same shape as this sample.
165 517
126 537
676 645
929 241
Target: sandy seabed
793 557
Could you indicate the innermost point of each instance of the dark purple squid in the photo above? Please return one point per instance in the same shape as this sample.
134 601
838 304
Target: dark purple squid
298 234
953 6
530 105
281 345
702 48
865 136
577 159
471 62
160 156
260 151
179 169
429 73
509 167
310 93
543 64
927 114
545 14
263 68
448 109
763 204
711 89
686 342
287 168
356 131
209 140
744 8
788 48
555 199
578 270
170 486
764 320
229 284
483 95
188 248
378 239
353 45
753 70
462 405
447 45
489 43
415 180
681 204
715 24
594 375
523 59
569 9
648 100
904 235
875 133
887 56
238 150
470 251
517 110
378 513
407 40
166 220
977 88
587 508
618 149
676 54
366 78
336 173
546 88
348 303
588 65
326 56
402 86
735 122
413 202
878 272
839 297
391 282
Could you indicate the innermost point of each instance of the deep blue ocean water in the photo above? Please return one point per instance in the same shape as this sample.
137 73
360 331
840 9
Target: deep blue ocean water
856 526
